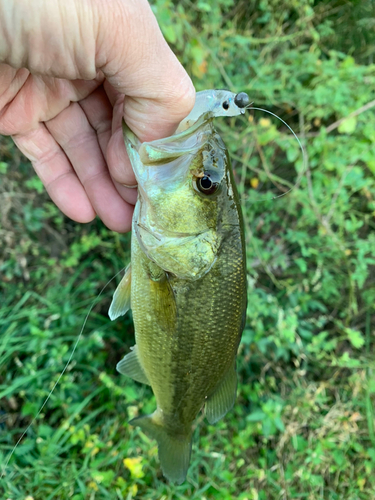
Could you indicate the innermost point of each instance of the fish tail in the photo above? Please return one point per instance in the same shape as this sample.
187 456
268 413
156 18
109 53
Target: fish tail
174 451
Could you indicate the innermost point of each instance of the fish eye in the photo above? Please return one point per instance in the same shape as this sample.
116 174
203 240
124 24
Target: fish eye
206 185
225 105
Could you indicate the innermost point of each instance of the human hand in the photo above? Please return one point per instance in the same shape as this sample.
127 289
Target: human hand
69 71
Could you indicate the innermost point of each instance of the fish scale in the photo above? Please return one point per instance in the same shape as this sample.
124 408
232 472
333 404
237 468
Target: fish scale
187 278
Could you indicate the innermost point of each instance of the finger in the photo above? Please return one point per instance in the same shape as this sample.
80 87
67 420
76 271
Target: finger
137 61
98 111
105 116
121 38
55 171
77 138
112 94
118 161
40 99
129 193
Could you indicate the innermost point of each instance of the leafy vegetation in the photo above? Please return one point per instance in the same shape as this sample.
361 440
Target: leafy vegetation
303 426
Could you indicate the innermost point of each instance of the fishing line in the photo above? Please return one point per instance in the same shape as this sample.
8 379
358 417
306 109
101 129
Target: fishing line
304 161
304 157
94 302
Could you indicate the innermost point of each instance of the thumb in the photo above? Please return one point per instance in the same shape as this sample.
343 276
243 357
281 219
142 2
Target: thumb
137 62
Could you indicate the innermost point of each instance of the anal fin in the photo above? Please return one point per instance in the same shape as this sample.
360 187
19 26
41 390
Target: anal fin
131 366
121 298
222 400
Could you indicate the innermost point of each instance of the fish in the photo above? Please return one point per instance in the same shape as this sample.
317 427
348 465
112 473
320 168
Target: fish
186 284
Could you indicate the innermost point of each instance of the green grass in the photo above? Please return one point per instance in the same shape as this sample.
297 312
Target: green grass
303 426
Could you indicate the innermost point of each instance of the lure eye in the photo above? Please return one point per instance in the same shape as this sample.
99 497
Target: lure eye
225 105
242 100
206 185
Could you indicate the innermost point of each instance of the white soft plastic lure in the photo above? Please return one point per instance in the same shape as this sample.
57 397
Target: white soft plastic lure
216 102
225 103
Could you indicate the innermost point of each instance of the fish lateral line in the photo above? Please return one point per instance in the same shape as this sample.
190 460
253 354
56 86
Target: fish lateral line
94 302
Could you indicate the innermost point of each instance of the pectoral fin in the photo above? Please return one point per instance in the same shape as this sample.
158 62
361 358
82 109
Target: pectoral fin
121 298
222 400
131 366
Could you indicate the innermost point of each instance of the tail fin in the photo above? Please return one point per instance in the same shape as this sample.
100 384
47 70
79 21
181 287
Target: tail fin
174 452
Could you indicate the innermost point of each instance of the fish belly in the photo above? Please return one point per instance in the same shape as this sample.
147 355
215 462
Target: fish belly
187 332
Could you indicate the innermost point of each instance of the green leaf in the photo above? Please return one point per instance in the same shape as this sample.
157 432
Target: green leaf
256 416
301 263
3 167
204 6
355 338
103 477
346 361
339 457
348 126
279 424
170 33
371 386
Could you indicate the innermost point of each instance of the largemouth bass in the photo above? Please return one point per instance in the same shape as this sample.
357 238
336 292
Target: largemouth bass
186 284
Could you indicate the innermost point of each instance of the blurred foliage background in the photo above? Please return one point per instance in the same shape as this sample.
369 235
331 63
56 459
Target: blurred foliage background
303 424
